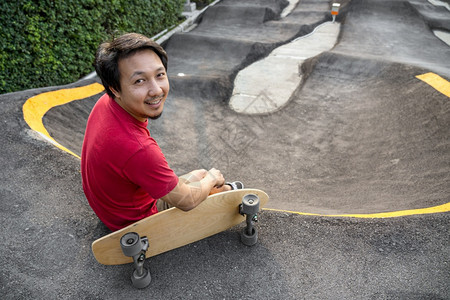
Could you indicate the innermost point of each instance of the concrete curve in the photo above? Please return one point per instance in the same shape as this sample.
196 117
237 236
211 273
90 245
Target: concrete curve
267 85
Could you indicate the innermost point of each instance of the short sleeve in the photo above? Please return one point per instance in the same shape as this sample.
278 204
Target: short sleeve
149 169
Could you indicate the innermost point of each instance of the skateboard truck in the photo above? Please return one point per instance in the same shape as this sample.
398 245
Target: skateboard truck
134 246
250 208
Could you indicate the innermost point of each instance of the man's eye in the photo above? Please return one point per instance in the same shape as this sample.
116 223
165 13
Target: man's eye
139 81
161 74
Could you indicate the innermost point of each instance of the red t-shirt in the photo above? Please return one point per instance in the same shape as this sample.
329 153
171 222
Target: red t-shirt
123 169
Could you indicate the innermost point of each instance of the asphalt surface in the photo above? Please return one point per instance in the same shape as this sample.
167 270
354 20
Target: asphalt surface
361 134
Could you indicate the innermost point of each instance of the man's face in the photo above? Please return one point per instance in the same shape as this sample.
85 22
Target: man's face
144 85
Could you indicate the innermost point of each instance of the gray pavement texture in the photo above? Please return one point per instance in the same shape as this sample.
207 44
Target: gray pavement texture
360 134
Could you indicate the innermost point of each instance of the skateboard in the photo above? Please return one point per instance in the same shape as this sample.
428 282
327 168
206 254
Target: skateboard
174 228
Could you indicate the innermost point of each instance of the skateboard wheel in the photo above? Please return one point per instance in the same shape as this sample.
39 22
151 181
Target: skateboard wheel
143 281
250 204
131 244
249 240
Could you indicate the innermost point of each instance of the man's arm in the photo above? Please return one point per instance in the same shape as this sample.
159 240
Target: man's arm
193 188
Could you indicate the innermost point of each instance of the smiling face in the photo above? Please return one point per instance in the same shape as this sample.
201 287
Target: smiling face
143 85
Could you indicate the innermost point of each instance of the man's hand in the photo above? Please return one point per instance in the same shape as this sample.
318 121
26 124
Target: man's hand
193 188
217 176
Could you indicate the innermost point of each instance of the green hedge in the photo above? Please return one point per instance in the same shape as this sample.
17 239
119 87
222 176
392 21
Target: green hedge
53 42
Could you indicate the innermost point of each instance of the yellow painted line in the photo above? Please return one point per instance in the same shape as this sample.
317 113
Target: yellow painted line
437 82
36 107
401 213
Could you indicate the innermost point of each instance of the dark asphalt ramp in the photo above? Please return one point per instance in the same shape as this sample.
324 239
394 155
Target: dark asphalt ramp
361 134
232 35
375 141
397 31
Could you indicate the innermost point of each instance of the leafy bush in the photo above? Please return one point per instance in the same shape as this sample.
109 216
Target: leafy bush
53 42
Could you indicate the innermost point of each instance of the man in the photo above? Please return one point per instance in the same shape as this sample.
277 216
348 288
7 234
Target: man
125 175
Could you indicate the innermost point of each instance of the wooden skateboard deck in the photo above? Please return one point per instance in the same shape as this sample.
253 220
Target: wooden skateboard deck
174 228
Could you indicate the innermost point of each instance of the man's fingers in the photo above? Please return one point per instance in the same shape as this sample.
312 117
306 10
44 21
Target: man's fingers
218 177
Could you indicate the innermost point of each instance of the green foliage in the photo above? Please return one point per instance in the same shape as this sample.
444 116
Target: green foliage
53 42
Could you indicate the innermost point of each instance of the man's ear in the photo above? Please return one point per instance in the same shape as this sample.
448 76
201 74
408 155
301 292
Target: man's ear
115 92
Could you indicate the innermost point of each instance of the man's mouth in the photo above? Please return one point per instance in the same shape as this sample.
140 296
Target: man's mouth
154 101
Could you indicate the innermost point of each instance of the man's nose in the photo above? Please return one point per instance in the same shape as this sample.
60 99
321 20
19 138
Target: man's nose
154 88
